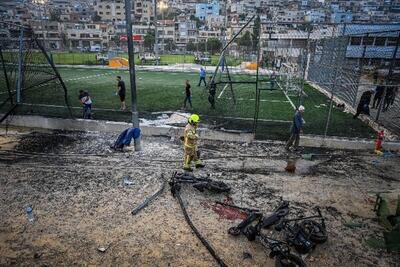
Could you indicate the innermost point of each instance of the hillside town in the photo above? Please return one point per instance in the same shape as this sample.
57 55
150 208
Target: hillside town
180 26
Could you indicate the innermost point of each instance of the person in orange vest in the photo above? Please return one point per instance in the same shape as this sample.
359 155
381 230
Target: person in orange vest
190 139
378 142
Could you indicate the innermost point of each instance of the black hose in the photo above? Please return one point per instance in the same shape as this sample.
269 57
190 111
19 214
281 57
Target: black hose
205 243
149 199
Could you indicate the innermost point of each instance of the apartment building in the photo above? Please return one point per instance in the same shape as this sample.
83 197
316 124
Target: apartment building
315 16
110 10
82 35
375 48
204 10
185 32
290 16
204 35
114 10
49 33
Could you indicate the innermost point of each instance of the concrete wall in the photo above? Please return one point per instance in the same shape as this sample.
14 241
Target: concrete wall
112 126
176 132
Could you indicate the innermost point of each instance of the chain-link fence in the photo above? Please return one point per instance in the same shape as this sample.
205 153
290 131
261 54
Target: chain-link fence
259 84
28 78
358 69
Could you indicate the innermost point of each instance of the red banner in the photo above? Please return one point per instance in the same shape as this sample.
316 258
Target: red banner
135 37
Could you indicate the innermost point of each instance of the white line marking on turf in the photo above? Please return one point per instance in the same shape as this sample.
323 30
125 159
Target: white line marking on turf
222 91
288 98
261 100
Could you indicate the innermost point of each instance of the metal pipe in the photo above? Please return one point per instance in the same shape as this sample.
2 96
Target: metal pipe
132 74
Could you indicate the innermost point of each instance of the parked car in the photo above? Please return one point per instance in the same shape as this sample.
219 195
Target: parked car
202 58
83 49
149 57
103 59
95 48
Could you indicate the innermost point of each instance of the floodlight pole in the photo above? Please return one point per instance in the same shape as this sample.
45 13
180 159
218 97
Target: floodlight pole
156 52
131 54
259 47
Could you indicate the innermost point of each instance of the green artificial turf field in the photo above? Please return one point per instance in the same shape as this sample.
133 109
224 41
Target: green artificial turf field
164 91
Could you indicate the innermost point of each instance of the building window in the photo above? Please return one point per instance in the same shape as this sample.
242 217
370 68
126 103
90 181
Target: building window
368 40
391 41
355 41
380 41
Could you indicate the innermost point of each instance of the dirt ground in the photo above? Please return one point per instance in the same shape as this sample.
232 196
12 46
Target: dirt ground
74 183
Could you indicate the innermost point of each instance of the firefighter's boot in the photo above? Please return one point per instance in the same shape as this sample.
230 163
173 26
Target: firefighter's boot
199 164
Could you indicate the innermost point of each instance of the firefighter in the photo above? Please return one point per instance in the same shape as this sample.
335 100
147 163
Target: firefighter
190 143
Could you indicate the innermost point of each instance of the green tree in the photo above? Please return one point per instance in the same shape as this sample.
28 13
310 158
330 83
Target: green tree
191 46
199 23
245 41
256 32
170 45
55 15
96 17
213 45
149 40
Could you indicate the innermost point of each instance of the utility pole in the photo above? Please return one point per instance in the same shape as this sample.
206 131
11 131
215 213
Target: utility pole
155 31
131 54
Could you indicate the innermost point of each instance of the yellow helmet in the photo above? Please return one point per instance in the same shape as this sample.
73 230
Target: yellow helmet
194 118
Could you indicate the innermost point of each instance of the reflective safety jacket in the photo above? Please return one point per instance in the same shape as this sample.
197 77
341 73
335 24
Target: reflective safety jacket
190 136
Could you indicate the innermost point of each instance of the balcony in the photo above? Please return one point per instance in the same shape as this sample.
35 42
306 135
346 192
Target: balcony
357 51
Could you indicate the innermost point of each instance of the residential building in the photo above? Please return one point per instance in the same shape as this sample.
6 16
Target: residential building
341 17
185 32
205 10
84 35
49 33
368 44
110 10
315 16
290 16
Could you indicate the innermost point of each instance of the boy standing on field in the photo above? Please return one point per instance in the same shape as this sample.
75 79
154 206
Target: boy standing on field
121 91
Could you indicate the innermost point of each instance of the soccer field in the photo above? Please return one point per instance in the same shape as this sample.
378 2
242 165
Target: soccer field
164 91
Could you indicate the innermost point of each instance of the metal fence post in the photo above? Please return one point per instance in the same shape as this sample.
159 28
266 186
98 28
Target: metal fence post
132 74
390 73
19 79
328 119
305 63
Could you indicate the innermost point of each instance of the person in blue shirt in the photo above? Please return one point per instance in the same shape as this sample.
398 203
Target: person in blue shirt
296 128
202 76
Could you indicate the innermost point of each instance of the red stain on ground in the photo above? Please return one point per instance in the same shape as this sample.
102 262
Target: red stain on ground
225 212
